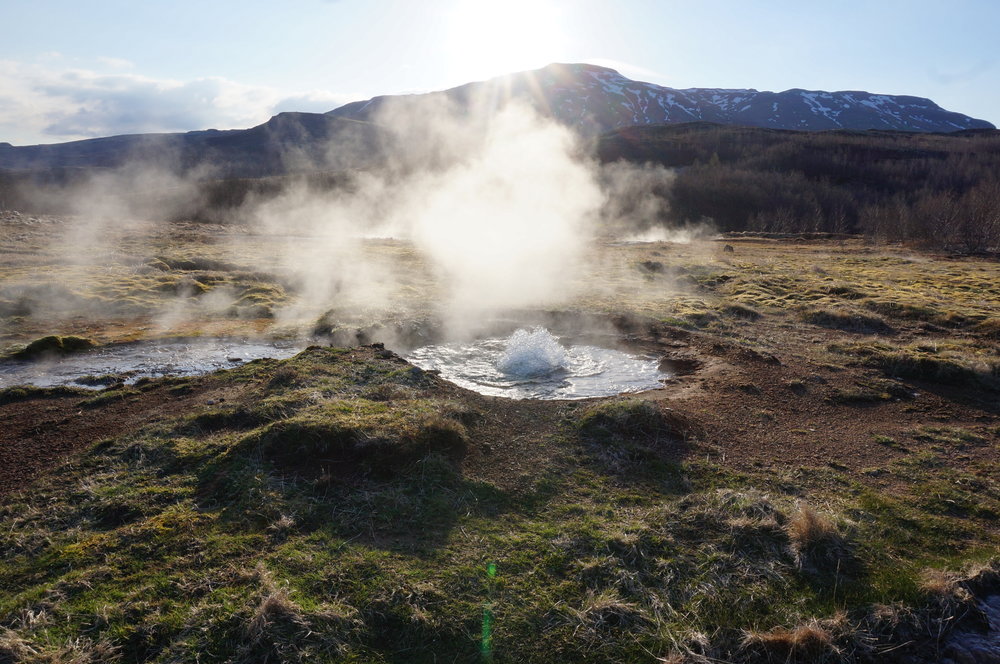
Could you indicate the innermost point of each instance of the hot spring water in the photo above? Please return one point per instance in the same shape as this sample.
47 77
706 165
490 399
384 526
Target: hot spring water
532 364
144 359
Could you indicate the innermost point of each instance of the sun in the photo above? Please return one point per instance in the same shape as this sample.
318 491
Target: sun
491 38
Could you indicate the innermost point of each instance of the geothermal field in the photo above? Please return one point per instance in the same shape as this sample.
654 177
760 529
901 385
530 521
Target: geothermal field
489 404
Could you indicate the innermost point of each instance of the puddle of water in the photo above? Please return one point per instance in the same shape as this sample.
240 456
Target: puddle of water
533 364
145 359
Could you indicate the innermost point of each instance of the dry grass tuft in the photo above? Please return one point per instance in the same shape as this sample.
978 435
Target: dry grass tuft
944 586
274 606
807 528
13 648
817 544
811 642
989 328
607 612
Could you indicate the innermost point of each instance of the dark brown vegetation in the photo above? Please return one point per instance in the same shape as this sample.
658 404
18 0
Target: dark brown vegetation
934 190
938 190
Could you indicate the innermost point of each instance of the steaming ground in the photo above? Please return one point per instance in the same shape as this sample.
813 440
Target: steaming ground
477 215
343 504
180 279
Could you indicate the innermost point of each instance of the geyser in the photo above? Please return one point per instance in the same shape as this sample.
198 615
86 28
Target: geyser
533 364
532 354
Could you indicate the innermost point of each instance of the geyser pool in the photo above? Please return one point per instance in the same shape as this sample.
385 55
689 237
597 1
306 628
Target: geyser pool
533 364
143 359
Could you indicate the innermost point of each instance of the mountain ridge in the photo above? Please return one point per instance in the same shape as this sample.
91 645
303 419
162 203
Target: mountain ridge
597 99
590 98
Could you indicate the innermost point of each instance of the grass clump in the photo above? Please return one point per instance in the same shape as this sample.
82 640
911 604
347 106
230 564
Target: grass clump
818 545
949 364
910 311
989 328
101 380
808 643
53 345
26 392
108 396
858 395
846 320
379 435
633 420
738 310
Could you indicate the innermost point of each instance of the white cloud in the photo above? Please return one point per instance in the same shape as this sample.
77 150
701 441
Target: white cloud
116 63
40 103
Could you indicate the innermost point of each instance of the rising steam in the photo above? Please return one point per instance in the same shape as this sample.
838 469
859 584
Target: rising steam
501 205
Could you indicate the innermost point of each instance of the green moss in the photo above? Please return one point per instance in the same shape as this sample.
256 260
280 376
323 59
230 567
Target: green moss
53 345
631 419
109 396
383 436
26 392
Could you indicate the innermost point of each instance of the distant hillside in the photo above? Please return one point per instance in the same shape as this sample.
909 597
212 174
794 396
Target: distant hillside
287 143
597 99
591 99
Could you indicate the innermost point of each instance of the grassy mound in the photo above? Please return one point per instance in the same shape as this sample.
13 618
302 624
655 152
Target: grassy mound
380 435
847 321
27 392
949 363
633 420
53 345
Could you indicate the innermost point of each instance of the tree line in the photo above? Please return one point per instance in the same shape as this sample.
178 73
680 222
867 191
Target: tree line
940 190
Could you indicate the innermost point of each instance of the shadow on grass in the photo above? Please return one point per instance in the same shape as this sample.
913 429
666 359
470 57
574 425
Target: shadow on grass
639 442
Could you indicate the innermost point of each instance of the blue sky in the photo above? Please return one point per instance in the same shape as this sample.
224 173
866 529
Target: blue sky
71 69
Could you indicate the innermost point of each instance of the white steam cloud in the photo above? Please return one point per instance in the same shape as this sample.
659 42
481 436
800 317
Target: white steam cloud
490 209
503 210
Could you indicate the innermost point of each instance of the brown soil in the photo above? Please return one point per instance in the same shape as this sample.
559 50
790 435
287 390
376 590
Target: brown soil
757 411
39 434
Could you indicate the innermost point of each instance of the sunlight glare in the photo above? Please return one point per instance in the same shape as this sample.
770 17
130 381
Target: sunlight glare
492 38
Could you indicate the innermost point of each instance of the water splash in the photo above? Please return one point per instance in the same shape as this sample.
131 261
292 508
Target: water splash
532 353
532 364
